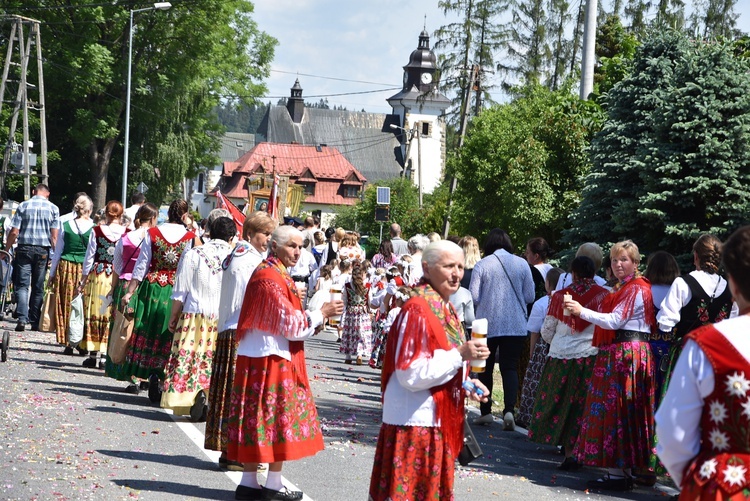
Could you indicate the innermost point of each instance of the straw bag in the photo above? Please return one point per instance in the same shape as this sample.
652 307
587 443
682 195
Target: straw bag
119 340
49 307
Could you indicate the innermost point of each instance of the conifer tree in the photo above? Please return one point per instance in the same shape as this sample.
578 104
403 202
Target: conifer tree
529 43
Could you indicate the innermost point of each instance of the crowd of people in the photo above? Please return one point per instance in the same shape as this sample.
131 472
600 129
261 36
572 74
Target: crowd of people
623 370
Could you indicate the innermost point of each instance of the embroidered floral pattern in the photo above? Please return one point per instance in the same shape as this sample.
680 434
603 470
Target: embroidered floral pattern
104 255
164 258
708 468
719 440
734 475
737 385
189 367
718 412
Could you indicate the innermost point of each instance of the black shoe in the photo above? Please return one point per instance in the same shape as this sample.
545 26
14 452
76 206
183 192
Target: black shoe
34 327
570 464
154 390
246 493
20 326
608 483
68 350
143 385
82 351
102 364
89 362
282 495
198 409
132 389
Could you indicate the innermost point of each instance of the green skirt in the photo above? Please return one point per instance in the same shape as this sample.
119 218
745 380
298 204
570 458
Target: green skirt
151 344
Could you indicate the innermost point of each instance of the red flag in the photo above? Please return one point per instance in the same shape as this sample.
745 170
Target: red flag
272 198
224 203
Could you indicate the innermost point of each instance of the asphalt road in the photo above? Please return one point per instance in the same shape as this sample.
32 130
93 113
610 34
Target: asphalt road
69 433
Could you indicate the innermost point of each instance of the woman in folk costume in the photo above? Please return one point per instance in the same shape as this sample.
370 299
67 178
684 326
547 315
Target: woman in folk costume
423 399
127 250
238 266
66 269
272 417
555 418
617 428
156 266
704 417
356 337
97 281
699 298
194 321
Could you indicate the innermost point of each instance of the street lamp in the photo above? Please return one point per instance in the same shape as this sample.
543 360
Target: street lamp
157 6
410 133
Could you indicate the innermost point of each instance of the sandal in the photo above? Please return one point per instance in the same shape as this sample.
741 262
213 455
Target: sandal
608 483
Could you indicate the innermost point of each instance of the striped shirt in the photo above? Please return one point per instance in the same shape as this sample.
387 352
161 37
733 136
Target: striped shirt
34 219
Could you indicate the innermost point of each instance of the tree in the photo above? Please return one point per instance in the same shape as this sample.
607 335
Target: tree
715 18
529 42
521 164
184 60
615 49
404 210
671 160
562 48
474 39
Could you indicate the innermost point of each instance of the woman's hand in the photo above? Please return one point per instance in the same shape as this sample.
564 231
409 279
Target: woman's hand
80 287
478 388
574 307
125 299
174 318
474 349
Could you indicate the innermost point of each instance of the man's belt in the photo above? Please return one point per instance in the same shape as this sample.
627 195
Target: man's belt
622 336
300 278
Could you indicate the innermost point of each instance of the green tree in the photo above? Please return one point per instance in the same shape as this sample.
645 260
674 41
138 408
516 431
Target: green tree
184 60
715 18
521 164
615 49
671 160
529 41
562 48
404 210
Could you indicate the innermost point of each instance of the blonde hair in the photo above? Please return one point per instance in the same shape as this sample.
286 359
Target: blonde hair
83 206
470 245
629 248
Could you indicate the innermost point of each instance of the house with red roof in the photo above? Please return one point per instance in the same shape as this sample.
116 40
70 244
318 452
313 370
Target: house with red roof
324 175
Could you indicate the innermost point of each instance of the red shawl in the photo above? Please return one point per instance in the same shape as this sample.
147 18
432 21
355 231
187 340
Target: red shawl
623 298
271 304
423 334
586 292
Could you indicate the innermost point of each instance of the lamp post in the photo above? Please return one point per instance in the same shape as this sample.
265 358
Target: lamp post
157 6
410 134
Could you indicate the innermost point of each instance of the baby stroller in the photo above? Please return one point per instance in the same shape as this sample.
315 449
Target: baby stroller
6 270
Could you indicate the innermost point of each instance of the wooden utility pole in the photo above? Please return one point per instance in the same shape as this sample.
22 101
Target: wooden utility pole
22 104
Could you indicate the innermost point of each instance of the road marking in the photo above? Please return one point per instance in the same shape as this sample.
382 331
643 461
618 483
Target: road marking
195 436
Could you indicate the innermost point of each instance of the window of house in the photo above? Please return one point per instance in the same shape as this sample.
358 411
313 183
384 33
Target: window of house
351 191
426 129
309 188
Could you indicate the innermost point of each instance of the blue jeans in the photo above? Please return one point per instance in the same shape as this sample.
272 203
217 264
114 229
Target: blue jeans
29 270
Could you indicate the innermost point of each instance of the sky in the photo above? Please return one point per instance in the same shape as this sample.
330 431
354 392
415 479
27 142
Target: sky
364 40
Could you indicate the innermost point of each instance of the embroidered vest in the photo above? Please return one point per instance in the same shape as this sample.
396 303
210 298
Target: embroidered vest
130 252
165 256
700 310
722 463
105 252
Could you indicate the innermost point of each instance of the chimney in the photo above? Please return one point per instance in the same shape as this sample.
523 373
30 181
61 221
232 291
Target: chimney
295 104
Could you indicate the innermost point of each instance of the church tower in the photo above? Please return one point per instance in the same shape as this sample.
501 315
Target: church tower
421 108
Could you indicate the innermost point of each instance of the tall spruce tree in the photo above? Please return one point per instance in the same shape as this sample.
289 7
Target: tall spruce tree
715 18
671 160
529 41
560 16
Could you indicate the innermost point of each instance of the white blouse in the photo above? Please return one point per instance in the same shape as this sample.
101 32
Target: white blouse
679 415
614 321
197 286
233 285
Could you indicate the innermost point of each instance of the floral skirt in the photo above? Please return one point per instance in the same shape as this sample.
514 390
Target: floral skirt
272 415
151 343
98 313
523 365
67 277
617 427
556 418
412 463
188 369
531 381
222 376
379 340
356 337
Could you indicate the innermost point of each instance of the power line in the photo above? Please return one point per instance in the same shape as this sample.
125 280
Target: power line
330 78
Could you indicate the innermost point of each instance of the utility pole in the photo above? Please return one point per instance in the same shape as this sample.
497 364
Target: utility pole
473 76
589 50
22 103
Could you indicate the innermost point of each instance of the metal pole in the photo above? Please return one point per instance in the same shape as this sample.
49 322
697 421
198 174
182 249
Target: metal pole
419 162
127 117
589 47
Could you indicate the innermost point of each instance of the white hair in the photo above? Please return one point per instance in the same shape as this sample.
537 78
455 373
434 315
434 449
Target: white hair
283 234
433 251
418 243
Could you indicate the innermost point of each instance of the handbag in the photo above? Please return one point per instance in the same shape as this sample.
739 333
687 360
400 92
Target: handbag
75 324
48 316
471 449
119 340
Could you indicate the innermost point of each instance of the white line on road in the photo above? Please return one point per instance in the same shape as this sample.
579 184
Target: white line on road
198 439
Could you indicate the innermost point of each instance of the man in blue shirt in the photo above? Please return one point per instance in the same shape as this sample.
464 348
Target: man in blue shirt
35 226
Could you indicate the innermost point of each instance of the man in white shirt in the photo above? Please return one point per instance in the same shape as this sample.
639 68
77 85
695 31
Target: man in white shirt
72 214
137 199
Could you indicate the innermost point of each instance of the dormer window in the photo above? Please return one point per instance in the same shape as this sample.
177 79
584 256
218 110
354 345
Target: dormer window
309 188
351 191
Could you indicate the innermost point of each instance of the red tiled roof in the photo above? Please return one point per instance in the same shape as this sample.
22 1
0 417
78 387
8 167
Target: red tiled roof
330 168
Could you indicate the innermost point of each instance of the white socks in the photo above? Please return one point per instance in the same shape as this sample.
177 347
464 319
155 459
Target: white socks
250 479
273 480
